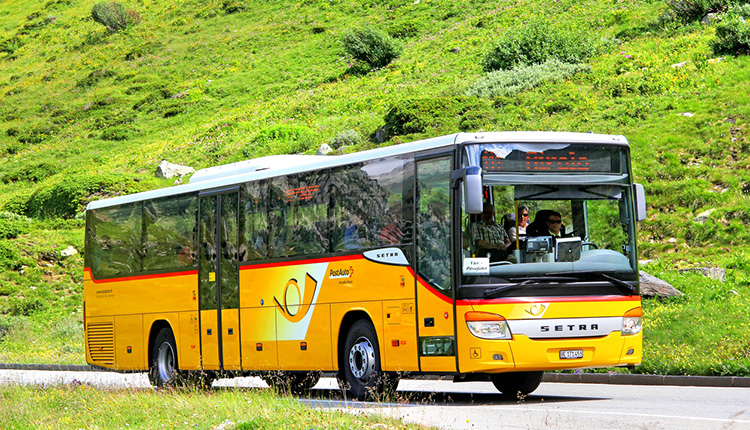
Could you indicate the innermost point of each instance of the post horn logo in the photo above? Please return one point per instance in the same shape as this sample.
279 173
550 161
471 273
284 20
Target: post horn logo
295 308
537 310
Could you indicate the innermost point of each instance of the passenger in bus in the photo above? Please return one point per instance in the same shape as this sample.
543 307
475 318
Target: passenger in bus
351 233
523 222
186 256
490 237
391 233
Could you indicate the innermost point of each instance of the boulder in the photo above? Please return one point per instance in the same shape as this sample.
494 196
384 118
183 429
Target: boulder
716 273
169 170
68 252
702 217
324 149
651 286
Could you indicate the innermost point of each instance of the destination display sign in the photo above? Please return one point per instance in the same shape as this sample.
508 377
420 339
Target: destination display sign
573 159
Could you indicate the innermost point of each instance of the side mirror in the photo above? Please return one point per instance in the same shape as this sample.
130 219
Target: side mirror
640 202
473 190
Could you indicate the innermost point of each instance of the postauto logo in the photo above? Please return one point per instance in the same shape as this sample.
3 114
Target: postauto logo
341 273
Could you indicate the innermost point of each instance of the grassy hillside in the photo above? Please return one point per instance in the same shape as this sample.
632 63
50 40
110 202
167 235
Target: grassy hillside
87 113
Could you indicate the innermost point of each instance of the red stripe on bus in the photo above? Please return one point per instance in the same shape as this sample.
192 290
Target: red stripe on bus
432 289
298 262
515 300
139 277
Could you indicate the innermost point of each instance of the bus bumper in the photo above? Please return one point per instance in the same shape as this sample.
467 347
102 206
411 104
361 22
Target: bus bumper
525 354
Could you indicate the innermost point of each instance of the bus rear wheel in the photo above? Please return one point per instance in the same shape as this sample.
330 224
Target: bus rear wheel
516 383
361 369
163 371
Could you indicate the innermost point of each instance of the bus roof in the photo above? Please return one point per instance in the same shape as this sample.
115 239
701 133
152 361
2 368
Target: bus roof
218 177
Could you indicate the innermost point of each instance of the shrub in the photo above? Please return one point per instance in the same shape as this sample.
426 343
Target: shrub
12 225
345 138
692 10
521 78
68 197
29 172
282 139
536 43
10 256
114 16
420 114
18 306
370 46
733 32
115 134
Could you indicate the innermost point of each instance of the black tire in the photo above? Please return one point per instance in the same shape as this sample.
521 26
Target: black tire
163 371
361 370
516 383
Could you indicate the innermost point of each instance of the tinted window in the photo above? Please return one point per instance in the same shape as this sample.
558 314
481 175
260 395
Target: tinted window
369 206
170 233
115 240
298 219
255 204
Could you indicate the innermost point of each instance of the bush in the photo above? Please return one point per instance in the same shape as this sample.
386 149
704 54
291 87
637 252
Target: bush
282 139
10 256
522 78
733 32
13 225
114 16
421 114
18 306
370 46
68 197
345 138
536 44
29 172
692 10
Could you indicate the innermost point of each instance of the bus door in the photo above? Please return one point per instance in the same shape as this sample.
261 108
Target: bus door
435 310
219 280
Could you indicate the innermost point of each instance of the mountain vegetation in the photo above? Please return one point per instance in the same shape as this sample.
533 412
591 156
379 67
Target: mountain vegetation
93 95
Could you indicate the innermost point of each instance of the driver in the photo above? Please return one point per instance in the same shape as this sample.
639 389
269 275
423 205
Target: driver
490 237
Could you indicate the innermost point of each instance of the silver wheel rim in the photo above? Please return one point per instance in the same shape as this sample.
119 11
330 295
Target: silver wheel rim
362 359
165 362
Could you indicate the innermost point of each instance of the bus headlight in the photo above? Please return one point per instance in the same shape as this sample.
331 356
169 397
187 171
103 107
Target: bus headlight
485 325
631 322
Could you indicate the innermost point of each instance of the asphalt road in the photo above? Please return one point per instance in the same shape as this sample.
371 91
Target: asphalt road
477 405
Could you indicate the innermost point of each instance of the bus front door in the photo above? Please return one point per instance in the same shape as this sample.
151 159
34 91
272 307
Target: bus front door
435 316
219 281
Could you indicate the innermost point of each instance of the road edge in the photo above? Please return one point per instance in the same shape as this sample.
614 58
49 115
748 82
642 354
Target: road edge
577 378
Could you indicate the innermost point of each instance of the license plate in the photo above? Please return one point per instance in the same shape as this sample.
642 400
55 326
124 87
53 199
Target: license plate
571 354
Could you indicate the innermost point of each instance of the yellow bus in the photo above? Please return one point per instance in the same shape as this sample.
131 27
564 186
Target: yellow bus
368 265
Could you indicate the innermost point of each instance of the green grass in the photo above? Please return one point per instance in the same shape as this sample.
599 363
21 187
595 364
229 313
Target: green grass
209 82
85 407
704 332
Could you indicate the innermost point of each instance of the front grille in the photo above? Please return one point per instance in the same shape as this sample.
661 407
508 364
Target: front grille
101 342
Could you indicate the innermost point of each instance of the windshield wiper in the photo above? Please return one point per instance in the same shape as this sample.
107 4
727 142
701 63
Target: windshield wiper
489 294
590 275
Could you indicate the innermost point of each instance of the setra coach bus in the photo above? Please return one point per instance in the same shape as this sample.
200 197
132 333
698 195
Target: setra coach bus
367 265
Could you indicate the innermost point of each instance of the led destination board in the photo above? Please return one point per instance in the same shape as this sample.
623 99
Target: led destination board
578 159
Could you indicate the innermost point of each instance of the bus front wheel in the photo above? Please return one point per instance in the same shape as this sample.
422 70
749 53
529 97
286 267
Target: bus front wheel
361 370
516 383
163 371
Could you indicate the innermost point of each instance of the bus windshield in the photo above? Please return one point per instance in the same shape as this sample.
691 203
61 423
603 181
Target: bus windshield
557 220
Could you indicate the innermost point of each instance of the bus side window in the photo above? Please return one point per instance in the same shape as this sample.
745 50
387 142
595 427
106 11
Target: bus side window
255 202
